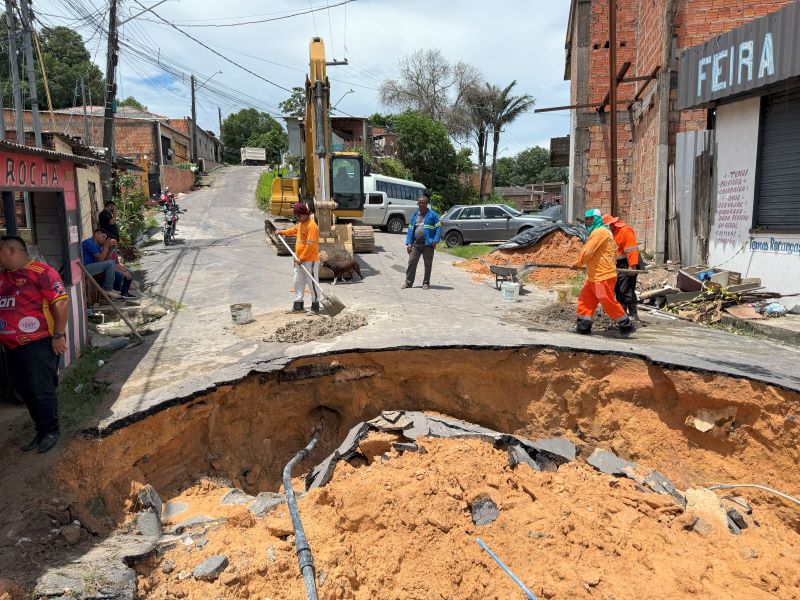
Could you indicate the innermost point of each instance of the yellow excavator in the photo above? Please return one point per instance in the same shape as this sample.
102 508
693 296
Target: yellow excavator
331 183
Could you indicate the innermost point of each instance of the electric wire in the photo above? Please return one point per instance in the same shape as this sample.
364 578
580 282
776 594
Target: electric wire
314 19
731 486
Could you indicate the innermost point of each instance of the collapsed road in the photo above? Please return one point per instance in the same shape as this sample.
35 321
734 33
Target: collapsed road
204 411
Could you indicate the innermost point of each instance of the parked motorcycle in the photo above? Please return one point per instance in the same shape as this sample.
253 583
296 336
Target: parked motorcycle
170 211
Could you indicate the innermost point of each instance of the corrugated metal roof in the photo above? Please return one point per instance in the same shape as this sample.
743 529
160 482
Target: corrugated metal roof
51 154
123 112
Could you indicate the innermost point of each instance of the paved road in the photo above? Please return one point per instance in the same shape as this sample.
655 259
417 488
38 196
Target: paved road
221 258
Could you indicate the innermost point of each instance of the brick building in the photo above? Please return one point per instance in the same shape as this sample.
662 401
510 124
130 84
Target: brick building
139 136
209 147
651 36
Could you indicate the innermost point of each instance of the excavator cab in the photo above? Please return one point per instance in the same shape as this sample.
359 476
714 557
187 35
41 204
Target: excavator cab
347 184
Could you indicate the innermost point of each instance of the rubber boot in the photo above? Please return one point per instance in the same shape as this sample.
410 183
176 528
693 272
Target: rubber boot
296 307
633 311
582 327
626 327
314 310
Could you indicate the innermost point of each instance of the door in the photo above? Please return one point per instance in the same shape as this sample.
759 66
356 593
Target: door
375 208
495 224
469 224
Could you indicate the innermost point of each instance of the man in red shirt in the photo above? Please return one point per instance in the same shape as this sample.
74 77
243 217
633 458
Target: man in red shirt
33 320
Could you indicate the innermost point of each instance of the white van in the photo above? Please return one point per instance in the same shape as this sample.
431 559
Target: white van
390 202
387 213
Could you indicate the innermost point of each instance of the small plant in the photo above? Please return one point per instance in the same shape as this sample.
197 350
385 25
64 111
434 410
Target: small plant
468 252
184 165
131 205
79 394
264 190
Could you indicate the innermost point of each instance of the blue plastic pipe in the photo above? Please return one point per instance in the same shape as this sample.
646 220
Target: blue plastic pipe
506 569
304 556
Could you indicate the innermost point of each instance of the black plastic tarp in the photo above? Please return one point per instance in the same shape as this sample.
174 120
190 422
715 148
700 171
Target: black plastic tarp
531 236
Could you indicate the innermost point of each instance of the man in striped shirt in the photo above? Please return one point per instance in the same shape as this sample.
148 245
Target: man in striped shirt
33 319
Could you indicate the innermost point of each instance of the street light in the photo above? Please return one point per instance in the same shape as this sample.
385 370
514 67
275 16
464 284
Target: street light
342 98
209 78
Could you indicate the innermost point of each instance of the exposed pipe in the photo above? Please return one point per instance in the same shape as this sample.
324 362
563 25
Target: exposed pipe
731 486
304 556
506 569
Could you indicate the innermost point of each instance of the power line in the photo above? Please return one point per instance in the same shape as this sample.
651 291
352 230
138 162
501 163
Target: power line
330 28
314 19
311 11
210 49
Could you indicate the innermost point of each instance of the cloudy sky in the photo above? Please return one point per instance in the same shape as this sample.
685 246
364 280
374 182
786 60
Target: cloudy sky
505 40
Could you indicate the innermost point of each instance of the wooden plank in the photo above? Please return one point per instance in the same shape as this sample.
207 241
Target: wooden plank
742 311
682 297
659 292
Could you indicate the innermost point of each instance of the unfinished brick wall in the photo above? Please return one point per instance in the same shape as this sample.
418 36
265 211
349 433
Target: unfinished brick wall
640 33
177 180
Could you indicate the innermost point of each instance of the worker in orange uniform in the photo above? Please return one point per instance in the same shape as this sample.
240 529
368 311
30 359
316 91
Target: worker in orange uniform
628 257
599 256
307 251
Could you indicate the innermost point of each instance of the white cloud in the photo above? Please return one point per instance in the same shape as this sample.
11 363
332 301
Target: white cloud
505 39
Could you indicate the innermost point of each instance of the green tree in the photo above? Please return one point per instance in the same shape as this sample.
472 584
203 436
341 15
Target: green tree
381 120
504 171
66 60
505 108
274 141
133 103
424 147
532 165
294 105
241 127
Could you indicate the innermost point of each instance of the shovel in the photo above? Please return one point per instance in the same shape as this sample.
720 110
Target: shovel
546 266
330 303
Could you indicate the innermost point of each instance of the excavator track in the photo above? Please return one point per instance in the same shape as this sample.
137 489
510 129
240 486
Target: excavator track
363 239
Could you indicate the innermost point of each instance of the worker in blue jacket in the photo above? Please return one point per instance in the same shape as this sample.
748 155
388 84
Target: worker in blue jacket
423 234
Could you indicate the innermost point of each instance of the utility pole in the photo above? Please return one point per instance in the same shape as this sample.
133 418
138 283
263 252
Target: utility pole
87 136
111 90
219 111
27 25
194 124
612 99
2 118
12 56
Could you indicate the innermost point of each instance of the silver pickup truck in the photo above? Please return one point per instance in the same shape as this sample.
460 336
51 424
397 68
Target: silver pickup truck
390 214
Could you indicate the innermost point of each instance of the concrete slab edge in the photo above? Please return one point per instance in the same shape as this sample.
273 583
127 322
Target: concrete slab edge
271 367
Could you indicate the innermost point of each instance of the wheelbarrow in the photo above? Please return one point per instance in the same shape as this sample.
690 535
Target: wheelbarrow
517 274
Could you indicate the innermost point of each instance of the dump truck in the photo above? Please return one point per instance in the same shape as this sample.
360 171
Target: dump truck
254 156
331 183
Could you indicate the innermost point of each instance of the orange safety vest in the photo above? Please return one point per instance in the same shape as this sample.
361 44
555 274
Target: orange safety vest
307 245
627 246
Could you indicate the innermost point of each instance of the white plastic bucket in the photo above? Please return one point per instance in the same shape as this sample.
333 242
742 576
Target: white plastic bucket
509 292
241 313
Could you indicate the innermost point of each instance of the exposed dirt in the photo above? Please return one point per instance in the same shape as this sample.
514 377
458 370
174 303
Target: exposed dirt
560 316
656 279
401 528
246 432
558 248
293 328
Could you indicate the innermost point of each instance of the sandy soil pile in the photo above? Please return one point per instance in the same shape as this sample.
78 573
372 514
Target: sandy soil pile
292 328
400 527
558 248
656 279
316 328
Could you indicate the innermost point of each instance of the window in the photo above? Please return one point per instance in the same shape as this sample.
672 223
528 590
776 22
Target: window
456 214
511 210
381 186
375 199
345 176
494 212
473 212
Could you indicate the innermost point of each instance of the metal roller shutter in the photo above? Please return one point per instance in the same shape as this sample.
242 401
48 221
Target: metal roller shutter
778 206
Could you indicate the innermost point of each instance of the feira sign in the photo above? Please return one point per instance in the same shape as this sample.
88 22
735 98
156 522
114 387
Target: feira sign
29 172
749 57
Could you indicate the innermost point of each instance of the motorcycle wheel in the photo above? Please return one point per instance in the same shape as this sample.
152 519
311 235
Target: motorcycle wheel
167 235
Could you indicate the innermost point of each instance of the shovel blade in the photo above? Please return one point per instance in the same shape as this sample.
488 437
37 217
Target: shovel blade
332 305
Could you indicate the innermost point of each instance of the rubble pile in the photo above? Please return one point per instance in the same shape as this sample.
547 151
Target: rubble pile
556 248
395 512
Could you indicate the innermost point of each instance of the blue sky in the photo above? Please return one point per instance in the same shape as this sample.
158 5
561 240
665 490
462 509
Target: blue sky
505 40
